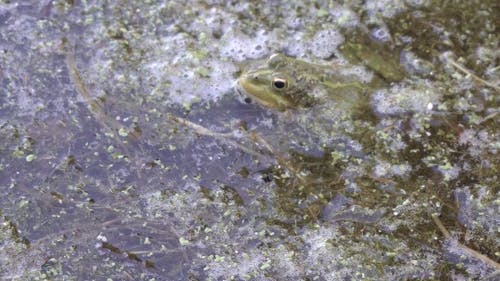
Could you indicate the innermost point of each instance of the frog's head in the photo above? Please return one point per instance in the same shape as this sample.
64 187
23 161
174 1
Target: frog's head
273 83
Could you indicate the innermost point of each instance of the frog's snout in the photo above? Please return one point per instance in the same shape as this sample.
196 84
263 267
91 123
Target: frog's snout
250 76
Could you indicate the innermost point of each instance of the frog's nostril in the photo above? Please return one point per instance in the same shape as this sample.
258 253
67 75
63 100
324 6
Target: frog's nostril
248 100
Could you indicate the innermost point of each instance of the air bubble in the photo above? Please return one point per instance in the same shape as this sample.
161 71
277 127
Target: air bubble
325 43
381 34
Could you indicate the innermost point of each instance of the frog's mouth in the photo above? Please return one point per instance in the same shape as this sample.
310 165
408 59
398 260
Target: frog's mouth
241 91
261 96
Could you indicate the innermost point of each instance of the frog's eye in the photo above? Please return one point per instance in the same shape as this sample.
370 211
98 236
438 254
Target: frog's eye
280 83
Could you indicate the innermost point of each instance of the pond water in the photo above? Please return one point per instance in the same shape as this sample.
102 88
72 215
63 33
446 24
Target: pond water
127 153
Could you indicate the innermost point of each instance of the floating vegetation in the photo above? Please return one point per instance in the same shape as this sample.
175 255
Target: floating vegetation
127 154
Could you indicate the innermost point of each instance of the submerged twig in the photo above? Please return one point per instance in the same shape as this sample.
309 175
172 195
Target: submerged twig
468 72
95 107
225 137
198 128
490 116
468 250
229 138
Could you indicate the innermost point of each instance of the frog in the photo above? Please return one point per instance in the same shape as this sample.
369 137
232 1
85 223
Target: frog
281 82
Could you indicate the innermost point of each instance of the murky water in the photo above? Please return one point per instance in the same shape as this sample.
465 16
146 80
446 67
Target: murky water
126 154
